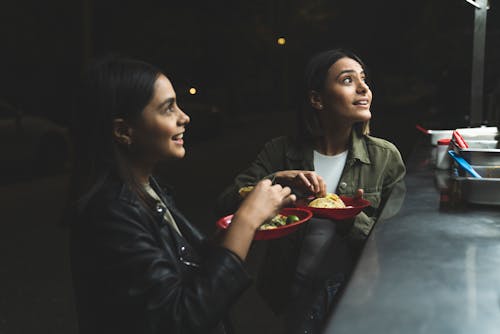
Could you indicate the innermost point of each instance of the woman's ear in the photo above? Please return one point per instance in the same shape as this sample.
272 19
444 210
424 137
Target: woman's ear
122 132
315 100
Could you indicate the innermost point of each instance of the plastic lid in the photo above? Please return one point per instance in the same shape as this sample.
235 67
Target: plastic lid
444 141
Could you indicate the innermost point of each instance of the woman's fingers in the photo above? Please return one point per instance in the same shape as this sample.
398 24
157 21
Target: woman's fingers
322 187
359 193
313 177
284 196
305 181
319 185
289 200
312 181
284 191
265 183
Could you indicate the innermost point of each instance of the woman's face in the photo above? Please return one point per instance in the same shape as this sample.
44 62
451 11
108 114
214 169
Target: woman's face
159 133
346 98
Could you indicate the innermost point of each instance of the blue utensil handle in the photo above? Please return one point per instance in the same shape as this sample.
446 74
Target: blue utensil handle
464 164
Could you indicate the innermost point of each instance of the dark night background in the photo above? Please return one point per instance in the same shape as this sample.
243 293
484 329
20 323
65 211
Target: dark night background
419 56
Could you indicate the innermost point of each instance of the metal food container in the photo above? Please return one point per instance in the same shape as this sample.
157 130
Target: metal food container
481 152
480 156
480 191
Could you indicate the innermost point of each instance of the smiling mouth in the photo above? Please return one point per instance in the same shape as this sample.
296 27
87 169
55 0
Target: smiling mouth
362 103
178 137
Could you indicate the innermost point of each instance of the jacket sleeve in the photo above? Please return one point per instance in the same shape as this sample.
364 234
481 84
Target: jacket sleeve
268 161
137 271
395 172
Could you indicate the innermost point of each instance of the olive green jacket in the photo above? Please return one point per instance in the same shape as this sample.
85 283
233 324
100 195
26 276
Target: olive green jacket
372 164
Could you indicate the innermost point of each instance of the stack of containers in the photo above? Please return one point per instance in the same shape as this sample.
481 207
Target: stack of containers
479 147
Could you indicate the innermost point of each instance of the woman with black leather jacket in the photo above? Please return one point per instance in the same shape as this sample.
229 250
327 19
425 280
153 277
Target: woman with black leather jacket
138 265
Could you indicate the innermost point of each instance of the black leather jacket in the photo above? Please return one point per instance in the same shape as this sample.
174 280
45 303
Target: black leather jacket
133 273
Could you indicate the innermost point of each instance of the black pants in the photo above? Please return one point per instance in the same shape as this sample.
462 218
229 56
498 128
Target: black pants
324 264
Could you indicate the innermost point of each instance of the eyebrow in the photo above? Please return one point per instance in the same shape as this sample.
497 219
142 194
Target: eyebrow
349 71
170 100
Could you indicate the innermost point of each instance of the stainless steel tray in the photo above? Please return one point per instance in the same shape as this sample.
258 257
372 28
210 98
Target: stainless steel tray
479 191
480 156
480 152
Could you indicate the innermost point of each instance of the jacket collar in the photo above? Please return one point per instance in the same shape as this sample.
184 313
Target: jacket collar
358 149
191 233
304 152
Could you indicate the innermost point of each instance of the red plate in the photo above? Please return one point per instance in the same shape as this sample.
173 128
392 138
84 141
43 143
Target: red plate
357 205
304 215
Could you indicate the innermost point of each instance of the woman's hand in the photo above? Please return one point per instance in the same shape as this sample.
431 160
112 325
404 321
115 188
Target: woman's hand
359 193
262 204
304 180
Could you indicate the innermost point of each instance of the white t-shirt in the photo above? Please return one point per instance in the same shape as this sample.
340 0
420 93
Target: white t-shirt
330 168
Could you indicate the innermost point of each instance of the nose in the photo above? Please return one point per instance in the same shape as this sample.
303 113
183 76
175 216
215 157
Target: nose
183 118
362 87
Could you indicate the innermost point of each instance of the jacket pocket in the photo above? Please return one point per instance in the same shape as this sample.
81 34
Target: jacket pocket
374 198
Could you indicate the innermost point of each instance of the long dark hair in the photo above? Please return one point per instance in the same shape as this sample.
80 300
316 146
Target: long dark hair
111 88
315 76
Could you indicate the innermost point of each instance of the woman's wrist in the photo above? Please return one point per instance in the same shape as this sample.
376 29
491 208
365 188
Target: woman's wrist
244 219
239 236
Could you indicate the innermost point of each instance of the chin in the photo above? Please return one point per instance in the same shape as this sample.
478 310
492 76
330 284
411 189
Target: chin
180 155
176 153
365 116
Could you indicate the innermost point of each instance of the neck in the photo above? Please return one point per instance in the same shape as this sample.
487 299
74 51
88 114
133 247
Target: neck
334 141
141 170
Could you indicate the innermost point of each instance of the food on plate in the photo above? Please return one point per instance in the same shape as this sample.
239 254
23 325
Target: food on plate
244 191
288 221
330 201
278 221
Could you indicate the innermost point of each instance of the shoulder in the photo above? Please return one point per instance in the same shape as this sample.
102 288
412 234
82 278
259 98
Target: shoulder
284 143
114 200
380 144
276 146
385 153
117 193
285 147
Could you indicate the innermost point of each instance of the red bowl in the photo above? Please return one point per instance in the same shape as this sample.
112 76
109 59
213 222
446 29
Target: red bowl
357 205
304 215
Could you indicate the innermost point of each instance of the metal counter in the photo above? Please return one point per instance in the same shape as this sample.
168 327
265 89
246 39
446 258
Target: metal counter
425 268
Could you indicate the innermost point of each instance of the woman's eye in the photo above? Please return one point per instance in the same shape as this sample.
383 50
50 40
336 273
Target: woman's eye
347 80
169 109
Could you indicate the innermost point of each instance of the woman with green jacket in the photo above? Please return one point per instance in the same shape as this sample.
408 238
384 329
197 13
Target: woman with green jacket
332 153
